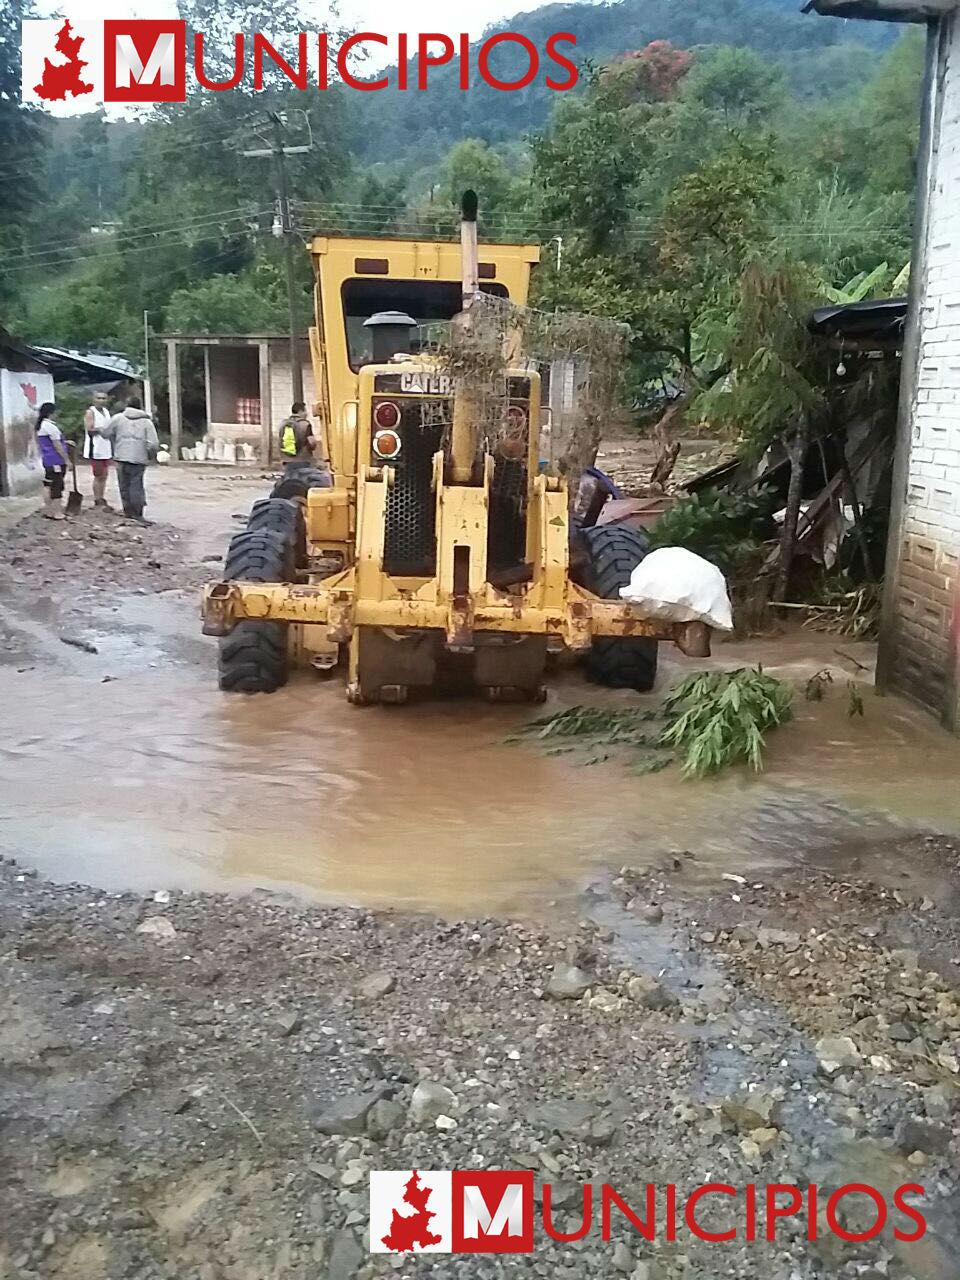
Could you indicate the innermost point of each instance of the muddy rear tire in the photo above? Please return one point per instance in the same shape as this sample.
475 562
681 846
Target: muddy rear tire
297 481
613 552
253 657
259 555
283 517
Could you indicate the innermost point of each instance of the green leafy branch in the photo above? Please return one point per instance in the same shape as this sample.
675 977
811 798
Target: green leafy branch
710 720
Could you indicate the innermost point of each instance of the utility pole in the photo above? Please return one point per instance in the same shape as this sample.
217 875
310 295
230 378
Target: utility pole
147 384
286 221
279 153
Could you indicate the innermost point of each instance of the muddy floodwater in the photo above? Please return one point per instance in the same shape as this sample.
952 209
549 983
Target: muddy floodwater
128 769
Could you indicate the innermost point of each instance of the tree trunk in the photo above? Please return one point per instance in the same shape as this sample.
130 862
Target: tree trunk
788 538
661 431
669 448
580 452
663 468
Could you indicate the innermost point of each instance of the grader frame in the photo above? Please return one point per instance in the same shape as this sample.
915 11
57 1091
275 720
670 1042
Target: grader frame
403 630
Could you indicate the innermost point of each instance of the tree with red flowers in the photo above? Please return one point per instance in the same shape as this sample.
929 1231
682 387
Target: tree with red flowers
652 74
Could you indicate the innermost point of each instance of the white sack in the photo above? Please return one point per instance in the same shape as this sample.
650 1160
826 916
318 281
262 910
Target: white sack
675 584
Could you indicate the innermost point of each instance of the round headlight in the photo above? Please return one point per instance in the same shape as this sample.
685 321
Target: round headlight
386 415
386 444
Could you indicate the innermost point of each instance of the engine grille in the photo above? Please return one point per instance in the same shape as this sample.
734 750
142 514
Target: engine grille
410 538
410 542
507 530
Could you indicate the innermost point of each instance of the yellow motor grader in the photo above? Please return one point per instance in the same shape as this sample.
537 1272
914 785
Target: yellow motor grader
430 556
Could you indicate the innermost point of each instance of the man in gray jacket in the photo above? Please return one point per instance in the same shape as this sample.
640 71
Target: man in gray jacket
135 442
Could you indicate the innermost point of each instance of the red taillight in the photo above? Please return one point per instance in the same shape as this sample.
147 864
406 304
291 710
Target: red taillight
386 415
386 444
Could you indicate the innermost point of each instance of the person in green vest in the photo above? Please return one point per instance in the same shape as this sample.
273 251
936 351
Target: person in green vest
296 435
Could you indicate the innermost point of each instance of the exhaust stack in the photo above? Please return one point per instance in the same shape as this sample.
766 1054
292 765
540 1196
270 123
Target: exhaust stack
463 436
468 247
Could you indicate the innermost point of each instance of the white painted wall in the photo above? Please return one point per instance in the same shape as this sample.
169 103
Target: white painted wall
925 626
21 395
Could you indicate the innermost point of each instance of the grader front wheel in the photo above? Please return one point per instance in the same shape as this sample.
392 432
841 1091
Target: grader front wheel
253 657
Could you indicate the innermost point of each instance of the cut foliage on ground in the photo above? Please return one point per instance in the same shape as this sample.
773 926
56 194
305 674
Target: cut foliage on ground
708 721
718 718
848 612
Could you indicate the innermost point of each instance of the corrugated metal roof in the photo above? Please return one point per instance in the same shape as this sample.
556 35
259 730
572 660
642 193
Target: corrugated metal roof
106 362
882 318
884 10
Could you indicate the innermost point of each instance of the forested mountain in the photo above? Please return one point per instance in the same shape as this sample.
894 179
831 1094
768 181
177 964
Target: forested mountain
705 135
820 57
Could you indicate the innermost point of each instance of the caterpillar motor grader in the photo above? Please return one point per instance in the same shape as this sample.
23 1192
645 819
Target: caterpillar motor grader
430 556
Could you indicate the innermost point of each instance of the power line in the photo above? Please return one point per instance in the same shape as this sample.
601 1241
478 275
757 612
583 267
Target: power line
367 206
162 239
342 213
368 213
410 224
53 247
51 256
137 154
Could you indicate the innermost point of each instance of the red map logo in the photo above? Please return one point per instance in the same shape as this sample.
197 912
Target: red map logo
409 1231
29 393
61 78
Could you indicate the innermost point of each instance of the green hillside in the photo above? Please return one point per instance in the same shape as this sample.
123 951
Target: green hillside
803 129
821 58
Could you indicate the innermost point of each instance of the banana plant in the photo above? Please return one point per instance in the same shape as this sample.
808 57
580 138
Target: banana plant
902 282
860 287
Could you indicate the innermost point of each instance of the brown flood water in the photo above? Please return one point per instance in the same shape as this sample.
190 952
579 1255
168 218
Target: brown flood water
156 780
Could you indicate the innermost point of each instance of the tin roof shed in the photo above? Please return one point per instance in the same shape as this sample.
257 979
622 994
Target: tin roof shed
883 10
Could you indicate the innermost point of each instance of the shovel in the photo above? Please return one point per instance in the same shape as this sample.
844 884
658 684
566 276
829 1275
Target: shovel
74 499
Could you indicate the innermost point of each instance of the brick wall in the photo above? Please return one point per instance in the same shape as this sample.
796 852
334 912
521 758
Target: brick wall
922 632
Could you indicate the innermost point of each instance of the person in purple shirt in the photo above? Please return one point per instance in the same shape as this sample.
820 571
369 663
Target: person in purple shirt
53 455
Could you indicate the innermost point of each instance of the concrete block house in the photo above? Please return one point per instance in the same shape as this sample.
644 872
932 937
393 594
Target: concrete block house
920 640
248 387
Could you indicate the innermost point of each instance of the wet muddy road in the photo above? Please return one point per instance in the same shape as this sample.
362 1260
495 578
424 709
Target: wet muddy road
301 790
601 977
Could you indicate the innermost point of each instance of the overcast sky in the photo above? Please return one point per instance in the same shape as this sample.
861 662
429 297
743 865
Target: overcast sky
427 15
386 16
373 15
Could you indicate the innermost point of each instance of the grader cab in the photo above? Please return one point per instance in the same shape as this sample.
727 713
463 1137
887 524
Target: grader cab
435 554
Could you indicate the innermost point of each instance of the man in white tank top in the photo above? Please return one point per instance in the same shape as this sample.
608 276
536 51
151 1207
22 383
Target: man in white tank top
97 449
